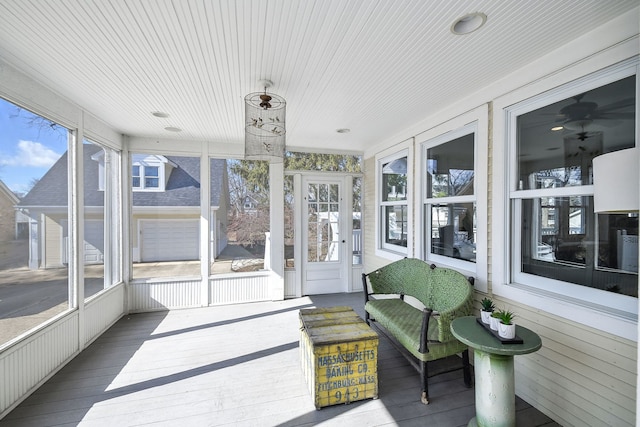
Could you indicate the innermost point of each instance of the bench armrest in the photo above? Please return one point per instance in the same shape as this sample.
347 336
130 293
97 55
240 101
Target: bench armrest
424 341
365 288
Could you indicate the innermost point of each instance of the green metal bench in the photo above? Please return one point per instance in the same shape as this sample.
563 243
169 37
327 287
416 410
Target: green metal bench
423 334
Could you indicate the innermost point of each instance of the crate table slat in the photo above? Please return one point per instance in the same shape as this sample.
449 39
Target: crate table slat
339 356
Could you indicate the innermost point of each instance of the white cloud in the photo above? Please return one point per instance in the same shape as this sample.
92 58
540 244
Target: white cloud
31 154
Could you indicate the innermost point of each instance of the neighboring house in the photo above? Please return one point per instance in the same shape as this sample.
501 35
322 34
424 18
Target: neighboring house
250 205
8 224
165 210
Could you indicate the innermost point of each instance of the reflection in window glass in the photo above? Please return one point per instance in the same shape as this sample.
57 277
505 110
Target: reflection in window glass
561 241
34 252
561 237
556 143
450 201
450 168
396 224
618 242
394 180
393 199
453 230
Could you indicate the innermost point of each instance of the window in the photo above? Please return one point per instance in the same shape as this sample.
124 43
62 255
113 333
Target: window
559 243
135 176
394 208
449 201
148 172
165 219
151 177
34 283
240 215
101 226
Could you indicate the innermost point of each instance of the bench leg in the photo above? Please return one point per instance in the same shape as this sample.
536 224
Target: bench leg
466 368
424 374
368 318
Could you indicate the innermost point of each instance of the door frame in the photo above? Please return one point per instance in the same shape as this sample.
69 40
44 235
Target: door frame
300 178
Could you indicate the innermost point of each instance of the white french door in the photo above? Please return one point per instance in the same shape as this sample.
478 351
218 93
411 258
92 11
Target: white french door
324 236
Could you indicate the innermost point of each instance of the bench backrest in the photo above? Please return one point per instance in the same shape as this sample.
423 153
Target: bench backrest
440 289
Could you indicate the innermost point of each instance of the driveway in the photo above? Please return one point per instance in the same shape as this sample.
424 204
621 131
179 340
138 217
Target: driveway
30 297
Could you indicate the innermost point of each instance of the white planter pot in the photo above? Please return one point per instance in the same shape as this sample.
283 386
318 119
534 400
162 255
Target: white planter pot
506 331
485 316
493 324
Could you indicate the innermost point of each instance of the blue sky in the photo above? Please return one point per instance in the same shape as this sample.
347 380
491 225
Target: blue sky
27 150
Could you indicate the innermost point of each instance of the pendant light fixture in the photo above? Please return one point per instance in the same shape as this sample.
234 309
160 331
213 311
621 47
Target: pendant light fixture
264 126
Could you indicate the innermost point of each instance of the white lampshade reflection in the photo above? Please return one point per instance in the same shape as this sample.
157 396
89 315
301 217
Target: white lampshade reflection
616 181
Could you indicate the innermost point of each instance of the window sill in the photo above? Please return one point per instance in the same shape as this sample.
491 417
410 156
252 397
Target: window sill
616 322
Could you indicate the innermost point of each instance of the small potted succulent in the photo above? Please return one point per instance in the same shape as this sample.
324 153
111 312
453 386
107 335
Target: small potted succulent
494 320
506 327
487 308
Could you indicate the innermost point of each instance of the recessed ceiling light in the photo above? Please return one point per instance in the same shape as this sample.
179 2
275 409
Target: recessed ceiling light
343 130
557 128
160 114
468 23
173 129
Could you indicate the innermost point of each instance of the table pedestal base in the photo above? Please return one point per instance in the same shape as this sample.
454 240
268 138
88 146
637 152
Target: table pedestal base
495 390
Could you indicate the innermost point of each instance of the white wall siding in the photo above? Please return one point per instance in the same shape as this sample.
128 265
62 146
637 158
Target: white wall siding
356 278
239 289
580 376
102 312
164 294
29 363
290 284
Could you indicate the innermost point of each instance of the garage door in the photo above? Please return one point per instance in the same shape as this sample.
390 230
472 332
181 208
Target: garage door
169 240
93 242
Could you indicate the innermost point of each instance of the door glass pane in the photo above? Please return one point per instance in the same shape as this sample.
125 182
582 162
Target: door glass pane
323 223
289 229
357 220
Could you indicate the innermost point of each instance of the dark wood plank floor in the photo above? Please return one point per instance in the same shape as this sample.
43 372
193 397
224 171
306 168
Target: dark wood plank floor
232 365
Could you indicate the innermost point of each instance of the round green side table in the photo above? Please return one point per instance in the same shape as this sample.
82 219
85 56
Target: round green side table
494 373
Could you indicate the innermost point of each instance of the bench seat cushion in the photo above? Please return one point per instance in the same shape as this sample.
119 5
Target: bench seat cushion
404 322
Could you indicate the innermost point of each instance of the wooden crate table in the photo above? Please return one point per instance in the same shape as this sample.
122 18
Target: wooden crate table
339 356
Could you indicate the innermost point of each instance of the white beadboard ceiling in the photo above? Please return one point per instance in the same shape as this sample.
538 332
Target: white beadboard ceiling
373 66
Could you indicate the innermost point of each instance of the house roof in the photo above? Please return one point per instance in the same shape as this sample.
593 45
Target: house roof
376 67
6 192
182 187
